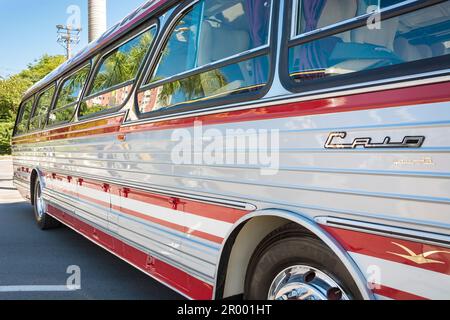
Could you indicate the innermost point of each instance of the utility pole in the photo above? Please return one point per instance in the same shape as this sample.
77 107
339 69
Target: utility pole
68 36
97 18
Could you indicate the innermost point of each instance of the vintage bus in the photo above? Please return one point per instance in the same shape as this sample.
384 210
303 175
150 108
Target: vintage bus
256 149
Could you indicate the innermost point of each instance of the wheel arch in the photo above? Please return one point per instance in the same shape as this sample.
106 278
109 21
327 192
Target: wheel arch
35 174
236 253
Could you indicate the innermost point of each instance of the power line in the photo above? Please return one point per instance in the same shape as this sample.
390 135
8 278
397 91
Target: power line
68 36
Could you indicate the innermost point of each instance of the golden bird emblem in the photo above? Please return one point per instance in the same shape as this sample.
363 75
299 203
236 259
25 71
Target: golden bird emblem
418 258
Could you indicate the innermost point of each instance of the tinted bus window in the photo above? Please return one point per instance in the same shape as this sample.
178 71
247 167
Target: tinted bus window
116 74
211 31
68 96
41 110
410 37
22 124
315 14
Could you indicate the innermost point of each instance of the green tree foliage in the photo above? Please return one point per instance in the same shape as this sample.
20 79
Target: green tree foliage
5 137
42 67
12 90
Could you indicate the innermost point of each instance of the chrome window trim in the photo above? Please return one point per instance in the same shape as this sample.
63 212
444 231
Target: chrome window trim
165 192
110 89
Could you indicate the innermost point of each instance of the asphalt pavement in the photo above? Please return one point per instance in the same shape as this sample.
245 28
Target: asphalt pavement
34 264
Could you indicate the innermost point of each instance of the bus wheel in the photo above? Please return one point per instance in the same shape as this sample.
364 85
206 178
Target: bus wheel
291 264
44 221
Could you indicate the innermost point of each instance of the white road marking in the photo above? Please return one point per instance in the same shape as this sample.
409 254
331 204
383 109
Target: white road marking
11 289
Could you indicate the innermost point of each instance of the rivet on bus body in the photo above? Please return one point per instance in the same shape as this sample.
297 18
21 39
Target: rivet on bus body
126 192
122 137
106 187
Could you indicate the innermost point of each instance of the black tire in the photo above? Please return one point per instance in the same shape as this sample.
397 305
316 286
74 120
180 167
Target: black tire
43 220
289 246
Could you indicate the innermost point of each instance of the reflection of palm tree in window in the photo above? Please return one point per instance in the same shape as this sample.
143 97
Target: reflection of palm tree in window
123 64
71 90
193 87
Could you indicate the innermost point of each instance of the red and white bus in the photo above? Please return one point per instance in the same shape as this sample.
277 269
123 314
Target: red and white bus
288 150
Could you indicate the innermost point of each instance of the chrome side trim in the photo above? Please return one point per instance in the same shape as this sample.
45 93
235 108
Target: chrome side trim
69 209
68 200
242 205
133 265
385 230
165 192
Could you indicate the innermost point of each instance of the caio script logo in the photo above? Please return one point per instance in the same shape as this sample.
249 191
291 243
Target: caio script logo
334 141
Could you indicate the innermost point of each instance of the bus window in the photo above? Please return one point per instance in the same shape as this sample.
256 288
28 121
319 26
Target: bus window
41 110
68 96
413 36
211 32
114 78
25 113
315 14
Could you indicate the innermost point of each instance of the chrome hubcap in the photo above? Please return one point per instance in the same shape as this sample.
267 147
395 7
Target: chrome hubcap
305 283
40 203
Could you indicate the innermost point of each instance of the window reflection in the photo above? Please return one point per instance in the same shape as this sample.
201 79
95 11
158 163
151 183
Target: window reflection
410 37
209 32
316 14
42 107
214 30
105 101
22 126
113 82
68 96
225 81
71 88
123 63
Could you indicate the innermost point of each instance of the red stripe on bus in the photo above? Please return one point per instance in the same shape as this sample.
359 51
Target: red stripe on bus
396 294
206 210
397 250
163 271
211 211
174 226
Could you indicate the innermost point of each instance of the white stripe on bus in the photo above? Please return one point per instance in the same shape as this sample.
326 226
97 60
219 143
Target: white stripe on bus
417 281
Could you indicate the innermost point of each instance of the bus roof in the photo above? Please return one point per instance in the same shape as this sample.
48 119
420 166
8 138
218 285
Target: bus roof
119 29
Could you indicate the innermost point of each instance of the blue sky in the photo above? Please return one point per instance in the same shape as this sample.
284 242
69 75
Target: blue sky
28 28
